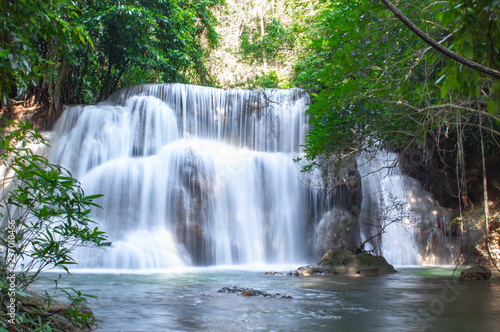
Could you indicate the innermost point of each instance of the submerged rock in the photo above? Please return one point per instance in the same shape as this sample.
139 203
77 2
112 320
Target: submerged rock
252 292
476 273
291 273
348 260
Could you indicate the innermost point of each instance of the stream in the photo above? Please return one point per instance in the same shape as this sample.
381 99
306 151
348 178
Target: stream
414 299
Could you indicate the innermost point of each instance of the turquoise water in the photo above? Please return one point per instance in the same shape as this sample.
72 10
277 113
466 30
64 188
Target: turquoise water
415 299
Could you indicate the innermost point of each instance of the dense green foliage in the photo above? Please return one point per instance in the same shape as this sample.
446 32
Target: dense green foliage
82 51
140 41
256 46
45 216
376 81
33 37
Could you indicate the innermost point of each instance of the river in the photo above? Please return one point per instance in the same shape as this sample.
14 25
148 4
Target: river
414 299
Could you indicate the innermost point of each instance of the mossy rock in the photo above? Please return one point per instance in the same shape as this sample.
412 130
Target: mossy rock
349 260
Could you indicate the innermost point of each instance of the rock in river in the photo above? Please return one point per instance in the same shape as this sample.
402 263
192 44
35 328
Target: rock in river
475 273
348 260
251 292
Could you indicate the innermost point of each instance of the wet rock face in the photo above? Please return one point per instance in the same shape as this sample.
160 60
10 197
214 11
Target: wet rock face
475 273
355 193
252 292
337 227
426 168
348 260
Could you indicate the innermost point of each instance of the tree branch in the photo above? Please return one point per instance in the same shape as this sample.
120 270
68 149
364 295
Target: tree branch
442 106
426 38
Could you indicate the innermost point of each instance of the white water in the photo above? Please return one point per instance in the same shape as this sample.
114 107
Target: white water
190 175
417 235
201 176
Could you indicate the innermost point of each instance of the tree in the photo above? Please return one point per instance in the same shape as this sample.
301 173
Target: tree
140 42
35 41
379 82
437 46
82 51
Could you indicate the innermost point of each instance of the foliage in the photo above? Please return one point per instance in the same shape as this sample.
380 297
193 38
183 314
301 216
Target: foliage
266 81
308 27
258 37
257 45
45 213
33 37
476 36
141 41
79 318
378 82
82 51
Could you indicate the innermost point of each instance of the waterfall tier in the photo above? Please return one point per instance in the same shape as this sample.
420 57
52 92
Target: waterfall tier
190 175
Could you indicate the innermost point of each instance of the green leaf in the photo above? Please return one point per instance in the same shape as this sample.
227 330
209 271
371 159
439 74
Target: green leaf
492 107
4 53
444 90
468 52
13 62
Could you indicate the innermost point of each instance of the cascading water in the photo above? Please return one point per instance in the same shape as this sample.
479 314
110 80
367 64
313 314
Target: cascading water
201 176
417 229
190 175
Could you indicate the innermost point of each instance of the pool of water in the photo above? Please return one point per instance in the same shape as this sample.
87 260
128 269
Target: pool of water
414 299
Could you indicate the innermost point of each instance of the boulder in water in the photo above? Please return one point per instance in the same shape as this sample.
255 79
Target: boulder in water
476 273
348 260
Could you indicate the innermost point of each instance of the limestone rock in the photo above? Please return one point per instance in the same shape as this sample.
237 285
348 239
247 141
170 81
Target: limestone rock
475 273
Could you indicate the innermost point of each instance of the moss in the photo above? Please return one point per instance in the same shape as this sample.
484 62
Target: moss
349 260
366 259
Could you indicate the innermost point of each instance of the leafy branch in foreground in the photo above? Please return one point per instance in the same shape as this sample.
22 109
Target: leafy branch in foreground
45 213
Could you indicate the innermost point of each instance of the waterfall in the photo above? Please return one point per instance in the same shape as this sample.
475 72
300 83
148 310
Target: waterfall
202 176
418 229
190 175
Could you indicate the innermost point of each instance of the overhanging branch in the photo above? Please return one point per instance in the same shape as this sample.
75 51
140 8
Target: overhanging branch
438 47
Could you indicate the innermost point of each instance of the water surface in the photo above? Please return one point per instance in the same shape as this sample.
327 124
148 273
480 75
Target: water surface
415 299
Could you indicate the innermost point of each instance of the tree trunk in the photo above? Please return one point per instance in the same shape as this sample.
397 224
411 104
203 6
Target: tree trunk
262 32
485 197
55 103
106 83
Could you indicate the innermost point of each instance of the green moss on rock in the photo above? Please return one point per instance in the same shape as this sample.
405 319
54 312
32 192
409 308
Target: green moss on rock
349 260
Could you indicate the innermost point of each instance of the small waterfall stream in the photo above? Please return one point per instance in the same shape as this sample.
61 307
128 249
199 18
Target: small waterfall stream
201 176
418 230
